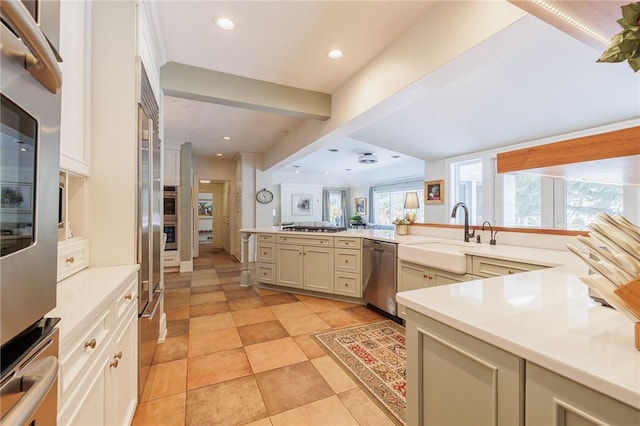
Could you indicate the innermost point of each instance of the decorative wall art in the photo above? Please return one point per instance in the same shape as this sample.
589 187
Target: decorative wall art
361 206
434 192
205 208
16 197
301 205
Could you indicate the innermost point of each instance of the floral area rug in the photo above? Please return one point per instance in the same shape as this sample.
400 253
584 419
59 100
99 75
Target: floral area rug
375 355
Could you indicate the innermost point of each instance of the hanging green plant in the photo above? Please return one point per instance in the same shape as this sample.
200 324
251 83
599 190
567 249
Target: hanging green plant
625 46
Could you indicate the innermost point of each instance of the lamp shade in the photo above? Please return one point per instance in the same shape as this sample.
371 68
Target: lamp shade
411 201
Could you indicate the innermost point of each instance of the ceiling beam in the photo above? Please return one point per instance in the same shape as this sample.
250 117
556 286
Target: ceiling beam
200 84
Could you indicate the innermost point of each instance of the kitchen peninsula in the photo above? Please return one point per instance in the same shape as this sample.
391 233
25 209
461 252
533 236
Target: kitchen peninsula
531 348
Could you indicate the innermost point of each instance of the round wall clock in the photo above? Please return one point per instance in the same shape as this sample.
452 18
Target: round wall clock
264 196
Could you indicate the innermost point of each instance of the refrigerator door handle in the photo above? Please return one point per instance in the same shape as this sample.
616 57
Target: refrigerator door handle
158 294
37 380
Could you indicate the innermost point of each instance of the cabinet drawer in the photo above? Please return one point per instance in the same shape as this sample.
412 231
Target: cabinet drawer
266 238
79 353
346 242
266 253
266 273
348 284
73 256
305 241
127 297
171 258
489 267
348 261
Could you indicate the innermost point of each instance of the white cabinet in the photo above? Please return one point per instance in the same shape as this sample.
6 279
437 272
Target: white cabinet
75 49
98 346
348 266
73 247
171 167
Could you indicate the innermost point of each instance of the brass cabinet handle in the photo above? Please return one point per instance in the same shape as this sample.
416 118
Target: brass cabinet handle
70 259
346 261
510 272
346 284
114 363
91 344
129 296
118 355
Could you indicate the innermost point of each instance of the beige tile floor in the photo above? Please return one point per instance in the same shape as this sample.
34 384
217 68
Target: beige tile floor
245 356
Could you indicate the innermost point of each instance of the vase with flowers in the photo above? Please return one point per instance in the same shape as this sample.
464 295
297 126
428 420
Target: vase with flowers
402 226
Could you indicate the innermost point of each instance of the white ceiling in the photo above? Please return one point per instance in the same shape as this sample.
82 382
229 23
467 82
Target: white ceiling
528 82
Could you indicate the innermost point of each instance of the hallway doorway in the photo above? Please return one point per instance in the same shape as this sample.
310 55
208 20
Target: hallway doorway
210 210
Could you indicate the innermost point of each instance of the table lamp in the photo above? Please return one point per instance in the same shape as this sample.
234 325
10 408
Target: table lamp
411 202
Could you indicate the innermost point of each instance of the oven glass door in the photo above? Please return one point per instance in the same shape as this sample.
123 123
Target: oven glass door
170 230
18 153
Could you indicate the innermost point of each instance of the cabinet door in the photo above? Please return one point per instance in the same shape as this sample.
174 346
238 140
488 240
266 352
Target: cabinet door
123 393
90 408
438 277
454 378
410 277
290 270
171 167
318 269
554 399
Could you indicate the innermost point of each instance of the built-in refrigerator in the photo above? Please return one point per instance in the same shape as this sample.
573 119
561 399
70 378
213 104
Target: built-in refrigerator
149 211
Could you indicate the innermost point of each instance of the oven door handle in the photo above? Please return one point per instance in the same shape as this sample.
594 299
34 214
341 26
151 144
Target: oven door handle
36 380
42 64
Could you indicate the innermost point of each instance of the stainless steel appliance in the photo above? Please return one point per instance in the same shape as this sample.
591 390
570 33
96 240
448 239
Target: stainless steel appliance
171 231
28 390
149 209
30 80
379 276
170 204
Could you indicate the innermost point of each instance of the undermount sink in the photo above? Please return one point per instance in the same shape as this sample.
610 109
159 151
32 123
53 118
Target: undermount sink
447 256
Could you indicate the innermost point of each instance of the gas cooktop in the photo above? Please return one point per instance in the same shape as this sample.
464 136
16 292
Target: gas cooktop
328 229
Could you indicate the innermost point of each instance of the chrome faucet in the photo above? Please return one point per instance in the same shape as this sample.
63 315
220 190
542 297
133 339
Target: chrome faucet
467 235
492 235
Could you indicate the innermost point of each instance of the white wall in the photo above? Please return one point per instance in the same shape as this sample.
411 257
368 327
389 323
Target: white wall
288 191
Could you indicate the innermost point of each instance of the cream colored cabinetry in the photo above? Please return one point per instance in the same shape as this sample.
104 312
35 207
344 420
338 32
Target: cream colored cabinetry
305 266
73 247
171 259
487 267
348 264
266 258
171 167
97 384
554 399
412 276
454 378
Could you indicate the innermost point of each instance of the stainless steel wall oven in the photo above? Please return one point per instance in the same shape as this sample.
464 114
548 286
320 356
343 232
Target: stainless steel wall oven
30 81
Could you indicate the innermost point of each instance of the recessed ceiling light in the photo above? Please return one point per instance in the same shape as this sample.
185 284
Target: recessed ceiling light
205 180
348 170
335 54
332 150
218 155
326 173
297 171
226 138
225 23
395 156
23 149
296 166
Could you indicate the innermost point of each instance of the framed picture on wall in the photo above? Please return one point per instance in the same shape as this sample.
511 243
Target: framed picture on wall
434 192
361 206
301 205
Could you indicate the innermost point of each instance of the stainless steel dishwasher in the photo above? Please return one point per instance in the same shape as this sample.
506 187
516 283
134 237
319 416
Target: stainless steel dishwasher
379 280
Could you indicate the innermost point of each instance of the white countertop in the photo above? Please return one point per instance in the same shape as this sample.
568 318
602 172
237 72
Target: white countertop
376 234
546 317
86 292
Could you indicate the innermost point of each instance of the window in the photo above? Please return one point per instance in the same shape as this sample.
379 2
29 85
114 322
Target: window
586 199
522 200
336 208
467 177
388 202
